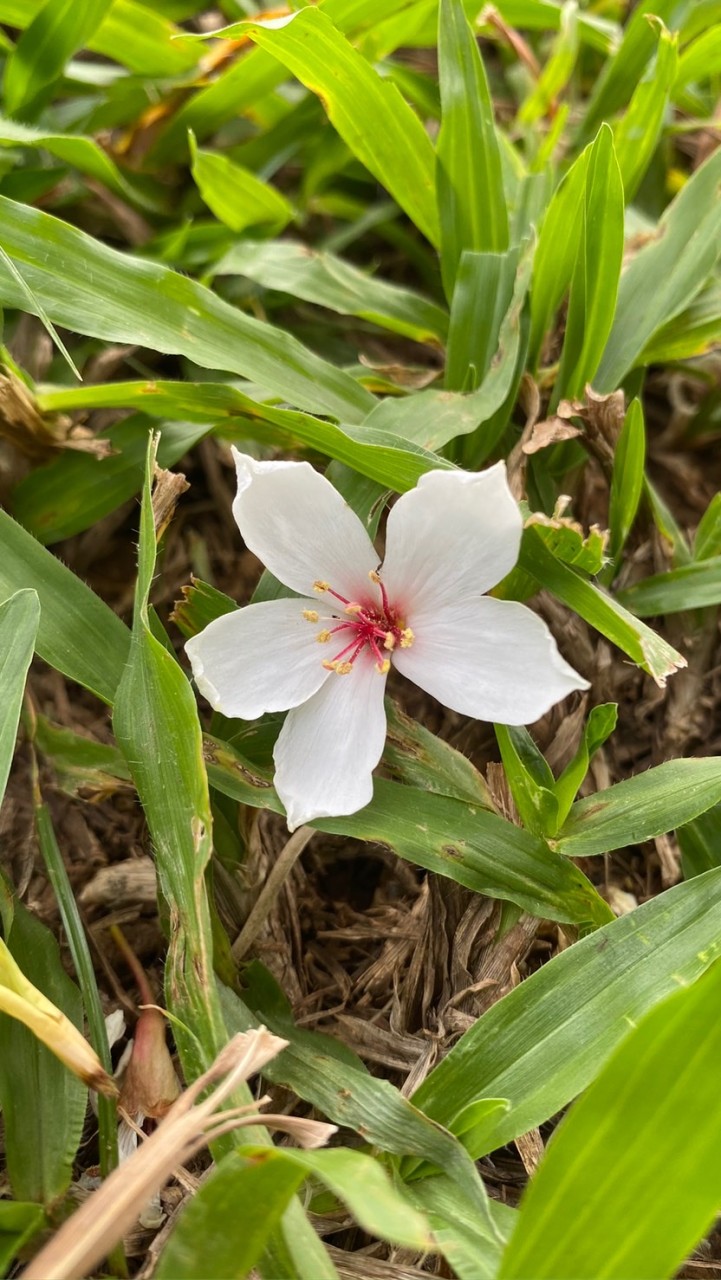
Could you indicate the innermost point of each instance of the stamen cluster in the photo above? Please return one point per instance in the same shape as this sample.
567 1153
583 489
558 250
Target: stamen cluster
376 627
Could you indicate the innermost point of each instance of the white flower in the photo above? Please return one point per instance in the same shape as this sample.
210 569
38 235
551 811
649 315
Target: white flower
324 658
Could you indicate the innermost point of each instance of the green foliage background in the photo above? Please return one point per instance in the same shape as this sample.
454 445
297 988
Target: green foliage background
529 225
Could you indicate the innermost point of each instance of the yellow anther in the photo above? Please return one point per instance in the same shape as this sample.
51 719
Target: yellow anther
344 668
407 638
323 637
383 667
310 615
374 577
353 607
330 666
320 585
389 640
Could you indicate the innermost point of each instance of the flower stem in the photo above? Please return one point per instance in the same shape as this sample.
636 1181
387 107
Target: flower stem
279 873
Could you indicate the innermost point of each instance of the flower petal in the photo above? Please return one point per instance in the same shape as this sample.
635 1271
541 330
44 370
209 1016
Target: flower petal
457 531
262 658
491 659
294 520
328 748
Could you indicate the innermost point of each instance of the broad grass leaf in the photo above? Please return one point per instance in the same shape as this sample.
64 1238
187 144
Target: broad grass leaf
469 175
156 724
602 1203
19 619
78 634
43 1103
484 285
157 728
381 454
544 1042
648 649
475 848
55 33
329 281
95 290
351 1097
221 1231
236 196
614 87
666 274
133 34
81 153
640 808
596 270
556 252
76 490
637 134
628 474
19 1222
691 586
369 113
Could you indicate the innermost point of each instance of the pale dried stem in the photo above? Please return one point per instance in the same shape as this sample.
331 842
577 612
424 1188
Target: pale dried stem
279 873
89 1235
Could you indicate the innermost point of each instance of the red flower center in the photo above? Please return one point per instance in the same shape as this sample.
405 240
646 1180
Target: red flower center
373 626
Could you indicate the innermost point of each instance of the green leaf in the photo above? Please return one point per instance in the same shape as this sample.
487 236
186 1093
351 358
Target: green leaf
82 153
235 195
483 292
668 526
629 462
415 755
666 273
557 251
700 843
596 270
707 542
78 634
557 69
637 134
132 34
692 586
471 199
157 728
381 455
375 122
434 418
624 70
640 808
19 619
80 765
455 1227
156 725
601 611
18 1224
80 952
95 290
602 1204
530 779
43 1103
213 1236
226 1226
57 31
351 1097
700 60
77 489
449 837
599 726
568 542
329 281
541 1045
